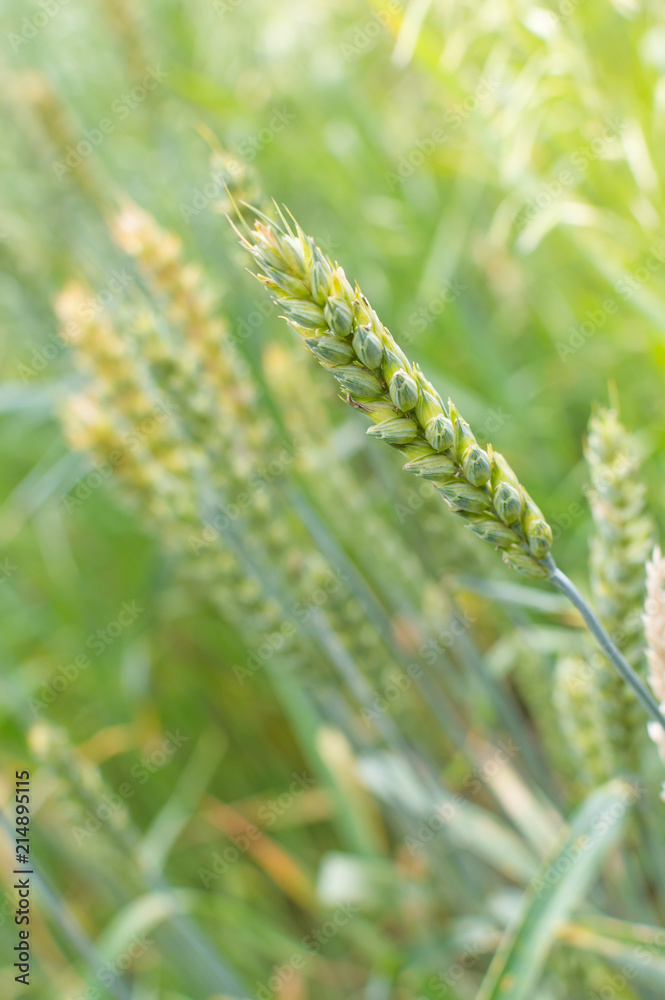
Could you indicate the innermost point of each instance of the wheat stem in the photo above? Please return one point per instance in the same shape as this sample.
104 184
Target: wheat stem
567 587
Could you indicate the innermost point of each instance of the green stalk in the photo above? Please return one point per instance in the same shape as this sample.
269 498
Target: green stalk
567 587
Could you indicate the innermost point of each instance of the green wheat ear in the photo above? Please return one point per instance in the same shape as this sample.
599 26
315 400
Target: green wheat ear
340 328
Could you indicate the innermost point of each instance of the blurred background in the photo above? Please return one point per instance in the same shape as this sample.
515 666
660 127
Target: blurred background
241 760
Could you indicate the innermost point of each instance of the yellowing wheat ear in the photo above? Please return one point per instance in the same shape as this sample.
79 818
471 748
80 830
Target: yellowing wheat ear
340 328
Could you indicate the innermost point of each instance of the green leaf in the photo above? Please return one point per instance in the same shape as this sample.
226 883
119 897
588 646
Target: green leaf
561 883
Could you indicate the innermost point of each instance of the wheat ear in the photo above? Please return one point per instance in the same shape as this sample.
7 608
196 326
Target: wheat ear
343 332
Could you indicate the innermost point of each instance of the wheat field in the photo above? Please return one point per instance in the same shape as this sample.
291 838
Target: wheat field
287 714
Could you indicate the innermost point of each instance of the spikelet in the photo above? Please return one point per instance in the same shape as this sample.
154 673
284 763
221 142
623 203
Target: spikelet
407 412
619 549
654 630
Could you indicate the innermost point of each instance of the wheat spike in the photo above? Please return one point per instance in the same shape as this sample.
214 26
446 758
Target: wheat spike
344 333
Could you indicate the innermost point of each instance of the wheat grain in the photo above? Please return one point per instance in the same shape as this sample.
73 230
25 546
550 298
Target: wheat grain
344 333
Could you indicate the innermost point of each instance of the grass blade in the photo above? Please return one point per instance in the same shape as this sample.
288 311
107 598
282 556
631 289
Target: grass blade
559 886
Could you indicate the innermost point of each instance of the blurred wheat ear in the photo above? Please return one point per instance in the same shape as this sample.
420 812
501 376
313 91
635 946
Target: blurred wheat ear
608 729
